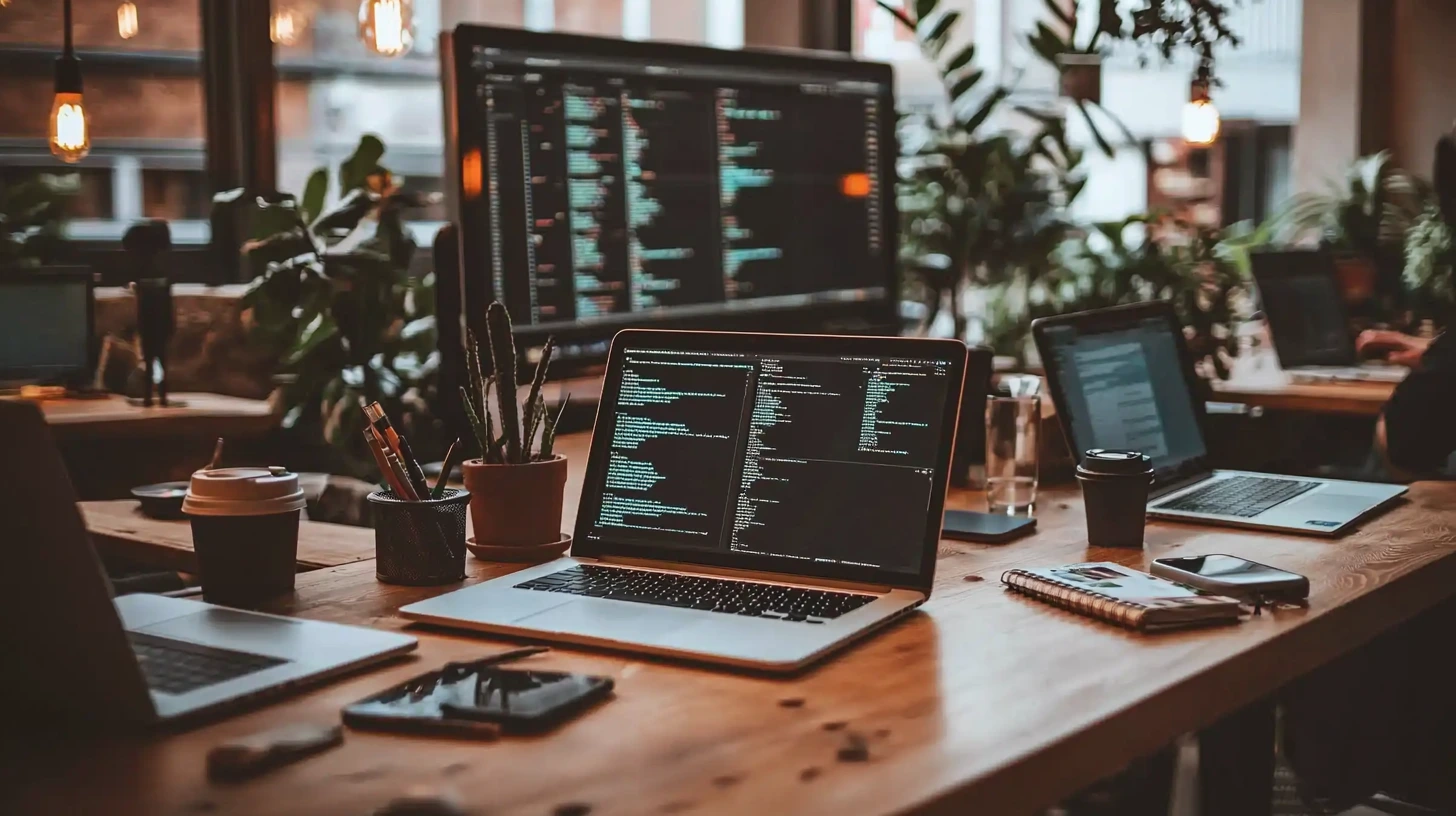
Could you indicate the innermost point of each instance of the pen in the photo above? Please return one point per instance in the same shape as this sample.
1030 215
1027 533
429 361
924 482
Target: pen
445 468
385 470
399 445
499 657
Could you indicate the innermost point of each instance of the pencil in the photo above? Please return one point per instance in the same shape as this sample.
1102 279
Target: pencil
445 468
384 470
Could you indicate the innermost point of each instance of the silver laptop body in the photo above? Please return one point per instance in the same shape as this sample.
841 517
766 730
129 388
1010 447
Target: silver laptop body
83 652
672 490
1122 379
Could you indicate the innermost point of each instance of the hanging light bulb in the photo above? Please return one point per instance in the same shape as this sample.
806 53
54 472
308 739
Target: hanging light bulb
70 129
286 25
387 26
127 24
1201 121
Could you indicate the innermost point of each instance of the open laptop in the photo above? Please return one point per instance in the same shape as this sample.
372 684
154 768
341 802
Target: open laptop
80 656
753 500
1301 300
1122 379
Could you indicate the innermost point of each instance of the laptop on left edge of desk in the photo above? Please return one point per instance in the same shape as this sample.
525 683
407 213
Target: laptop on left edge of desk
139 659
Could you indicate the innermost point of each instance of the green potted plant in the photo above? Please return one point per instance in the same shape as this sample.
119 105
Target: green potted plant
333 296
517 485
31 213
1364 220
1430 264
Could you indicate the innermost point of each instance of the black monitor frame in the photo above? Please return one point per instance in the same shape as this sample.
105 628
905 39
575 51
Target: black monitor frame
78 376
877 316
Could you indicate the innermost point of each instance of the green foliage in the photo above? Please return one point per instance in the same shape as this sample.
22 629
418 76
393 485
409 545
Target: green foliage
31 214
1370 212
1119 262
522 424
332 293
1430 257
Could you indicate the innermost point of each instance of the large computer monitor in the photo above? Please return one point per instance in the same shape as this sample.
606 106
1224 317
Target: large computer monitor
600 184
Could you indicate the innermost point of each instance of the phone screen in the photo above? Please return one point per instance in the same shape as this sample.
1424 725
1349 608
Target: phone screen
1228 568
473 691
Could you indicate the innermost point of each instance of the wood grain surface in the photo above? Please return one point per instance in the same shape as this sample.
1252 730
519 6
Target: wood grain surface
984 702
119 529
195 414
1259 382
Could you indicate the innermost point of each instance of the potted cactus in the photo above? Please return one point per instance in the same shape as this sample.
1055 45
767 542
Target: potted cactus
517 484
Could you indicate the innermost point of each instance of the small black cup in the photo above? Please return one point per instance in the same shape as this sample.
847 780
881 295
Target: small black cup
1115 494
419 543
245 559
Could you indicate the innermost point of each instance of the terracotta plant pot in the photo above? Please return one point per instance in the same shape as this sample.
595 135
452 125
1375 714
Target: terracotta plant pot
1357 277
516 505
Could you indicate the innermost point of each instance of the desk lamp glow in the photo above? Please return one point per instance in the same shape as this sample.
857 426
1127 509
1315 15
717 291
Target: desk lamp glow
387 26
70 131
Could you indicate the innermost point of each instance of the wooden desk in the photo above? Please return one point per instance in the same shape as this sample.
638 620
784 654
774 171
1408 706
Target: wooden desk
119 529
202 415
111 446
1261 383
985 702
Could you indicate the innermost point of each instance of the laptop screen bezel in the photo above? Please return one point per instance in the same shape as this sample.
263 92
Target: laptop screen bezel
1123 318
949 351
1271 265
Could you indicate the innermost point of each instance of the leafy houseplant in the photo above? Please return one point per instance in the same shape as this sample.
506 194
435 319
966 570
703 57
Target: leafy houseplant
976 209
1365 219
30 218
517 486
1200 275
1430 264
334 296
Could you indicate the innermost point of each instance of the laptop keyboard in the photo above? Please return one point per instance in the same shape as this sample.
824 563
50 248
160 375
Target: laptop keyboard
694 592
177 667
1242 496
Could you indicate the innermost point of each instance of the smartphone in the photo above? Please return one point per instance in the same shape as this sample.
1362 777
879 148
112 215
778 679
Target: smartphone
986 528
1235 577
471 698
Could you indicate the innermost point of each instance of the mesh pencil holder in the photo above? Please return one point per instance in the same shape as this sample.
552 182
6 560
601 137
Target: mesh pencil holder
419 543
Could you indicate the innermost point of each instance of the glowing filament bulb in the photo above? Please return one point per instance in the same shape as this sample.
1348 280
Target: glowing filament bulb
127 24
285 26
70 132
386 26
1201 123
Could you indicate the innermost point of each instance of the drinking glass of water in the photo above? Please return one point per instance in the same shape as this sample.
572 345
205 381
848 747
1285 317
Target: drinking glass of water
1012 438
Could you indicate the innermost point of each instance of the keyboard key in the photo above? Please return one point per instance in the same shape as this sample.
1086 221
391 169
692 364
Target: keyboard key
1241 496
726 596
177 667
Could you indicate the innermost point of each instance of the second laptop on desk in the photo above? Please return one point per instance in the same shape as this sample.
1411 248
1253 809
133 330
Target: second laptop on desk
752 500
1122 379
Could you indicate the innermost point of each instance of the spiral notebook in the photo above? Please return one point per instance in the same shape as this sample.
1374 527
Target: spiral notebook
1116 594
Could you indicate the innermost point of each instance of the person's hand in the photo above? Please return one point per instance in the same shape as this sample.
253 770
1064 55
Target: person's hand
1401 349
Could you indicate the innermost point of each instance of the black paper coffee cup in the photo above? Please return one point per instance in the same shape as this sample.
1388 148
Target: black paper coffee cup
1115 494
245 532
245 559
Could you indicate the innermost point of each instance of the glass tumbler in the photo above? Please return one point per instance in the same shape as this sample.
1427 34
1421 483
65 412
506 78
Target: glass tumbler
1012 440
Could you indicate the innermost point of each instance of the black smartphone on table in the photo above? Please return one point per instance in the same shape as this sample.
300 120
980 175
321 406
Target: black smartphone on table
478 698
985 528
1235 577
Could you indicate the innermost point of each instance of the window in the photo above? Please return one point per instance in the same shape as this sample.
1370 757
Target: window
144 97
332 90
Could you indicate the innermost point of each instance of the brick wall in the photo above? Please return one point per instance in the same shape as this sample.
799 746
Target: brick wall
163 25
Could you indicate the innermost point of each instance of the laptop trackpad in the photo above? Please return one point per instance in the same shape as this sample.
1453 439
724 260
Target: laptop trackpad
617 620
232 629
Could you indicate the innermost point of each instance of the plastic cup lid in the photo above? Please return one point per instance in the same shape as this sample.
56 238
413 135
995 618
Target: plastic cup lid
243 492
1116 462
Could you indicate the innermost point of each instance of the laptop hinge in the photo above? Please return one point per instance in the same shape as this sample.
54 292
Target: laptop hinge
752 575
1160 491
